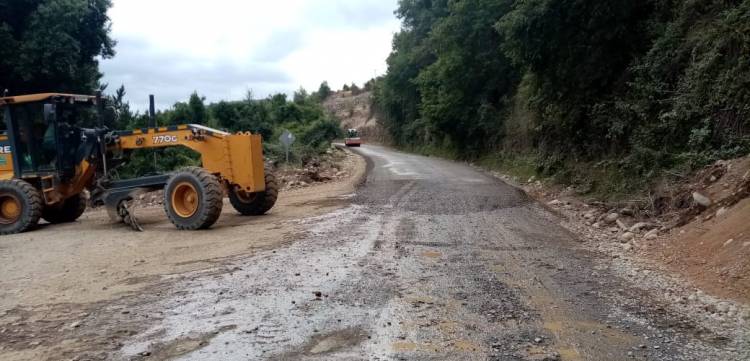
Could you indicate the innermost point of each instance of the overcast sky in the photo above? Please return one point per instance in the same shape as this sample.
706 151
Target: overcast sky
223 48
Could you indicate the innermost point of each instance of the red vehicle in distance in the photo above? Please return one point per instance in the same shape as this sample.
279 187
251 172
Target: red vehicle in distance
353 139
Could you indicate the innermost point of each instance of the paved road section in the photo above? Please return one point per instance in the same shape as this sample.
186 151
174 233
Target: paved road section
433 260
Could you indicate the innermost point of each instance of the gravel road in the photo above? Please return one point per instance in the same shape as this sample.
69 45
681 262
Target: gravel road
428 260
432 260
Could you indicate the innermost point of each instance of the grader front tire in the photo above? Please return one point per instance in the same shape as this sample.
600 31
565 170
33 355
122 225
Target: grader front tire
69 211
193 199
256 204
20 206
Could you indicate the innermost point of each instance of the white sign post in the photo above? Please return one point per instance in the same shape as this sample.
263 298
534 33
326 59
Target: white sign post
287 139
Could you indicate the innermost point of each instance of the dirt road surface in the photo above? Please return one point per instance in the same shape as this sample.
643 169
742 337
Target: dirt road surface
427 260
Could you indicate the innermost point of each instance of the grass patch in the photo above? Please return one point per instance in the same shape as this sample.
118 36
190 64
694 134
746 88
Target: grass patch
521 166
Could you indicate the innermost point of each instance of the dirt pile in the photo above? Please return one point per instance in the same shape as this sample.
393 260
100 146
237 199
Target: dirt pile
355 112
710 241
331 166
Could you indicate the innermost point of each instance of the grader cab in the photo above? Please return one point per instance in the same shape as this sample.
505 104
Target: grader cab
54 148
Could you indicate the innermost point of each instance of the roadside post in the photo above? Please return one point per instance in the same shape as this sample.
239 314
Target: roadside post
287 139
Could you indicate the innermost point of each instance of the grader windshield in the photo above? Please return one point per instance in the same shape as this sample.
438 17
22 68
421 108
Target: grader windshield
44 135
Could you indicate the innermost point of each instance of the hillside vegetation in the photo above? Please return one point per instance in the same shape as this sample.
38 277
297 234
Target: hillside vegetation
608 95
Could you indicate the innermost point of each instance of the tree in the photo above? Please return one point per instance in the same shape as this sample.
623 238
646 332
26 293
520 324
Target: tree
324 91
198 114
124 117
226 115
300 96
53 45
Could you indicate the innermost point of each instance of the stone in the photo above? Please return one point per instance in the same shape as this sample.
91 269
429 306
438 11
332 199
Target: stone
611 218
555 202
652 234
626 237
701 199
639 226
728 242
596 225
722 307
622 225
721 212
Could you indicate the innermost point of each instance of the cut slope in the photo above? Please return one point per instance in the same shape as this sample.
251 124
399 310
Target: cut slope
712 246
355 112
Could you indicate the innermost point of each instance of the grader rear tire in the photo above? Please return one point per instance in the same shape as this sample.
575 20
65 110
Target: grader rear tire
70 210
193 199
20 206
255 204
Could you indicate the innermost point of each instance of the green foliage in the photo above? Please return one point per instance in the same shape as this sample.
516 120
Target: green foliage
300 96
53 45
324 91
641 85
319 133
197 110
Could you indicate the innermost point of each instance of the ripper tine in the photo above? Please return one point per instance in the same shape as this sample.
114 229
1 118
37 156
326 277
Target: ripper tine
121 208
128 216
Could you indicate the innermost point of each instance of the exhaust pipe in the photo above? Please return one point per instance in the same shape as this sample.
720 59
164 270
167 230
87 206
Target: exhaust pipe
151 112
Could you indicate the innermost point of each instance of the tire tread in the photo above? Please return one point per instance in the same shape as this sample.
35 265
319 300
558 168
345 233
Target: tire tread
30 216
212 199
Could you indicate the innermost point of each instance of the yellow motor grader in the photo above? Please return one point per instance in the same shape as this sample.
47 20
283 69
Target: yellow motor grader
48 162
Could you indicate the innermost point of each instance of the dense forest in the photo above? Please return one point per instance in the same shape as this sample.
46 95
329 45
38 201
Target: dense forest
54 46
608 94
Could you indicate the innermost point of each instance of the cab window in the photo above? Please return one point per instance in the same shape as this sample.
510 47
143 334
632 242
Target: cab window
35 139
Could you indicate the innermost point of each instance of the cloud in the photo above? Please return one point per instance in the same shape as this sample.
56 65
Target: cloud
224 48
172 76
355 14
279 45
